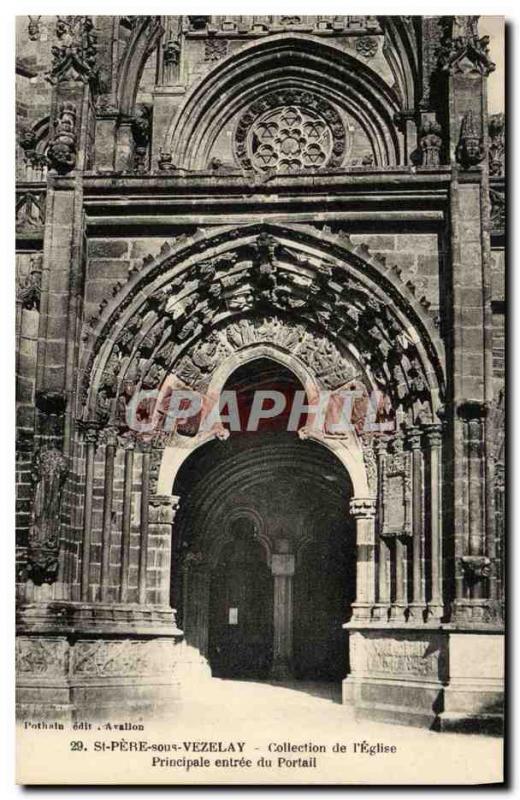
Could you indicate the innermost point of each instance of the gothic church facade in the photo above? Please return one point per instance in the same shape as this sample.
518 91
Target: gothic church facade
309 202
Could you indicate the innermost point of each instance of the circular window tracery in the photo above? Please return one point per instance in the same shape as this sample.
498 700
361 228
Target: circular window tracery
289 138
288 131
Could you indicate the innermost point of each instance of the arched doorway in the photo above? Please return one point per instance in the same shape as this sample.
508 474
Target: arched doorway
263 567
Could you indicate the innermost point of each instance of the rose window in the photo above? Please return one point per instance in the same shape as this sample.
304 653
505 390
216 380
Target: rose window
287 139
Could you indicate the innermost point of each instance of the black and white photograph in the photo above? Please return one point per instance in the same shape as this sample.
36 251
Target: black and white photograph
260 399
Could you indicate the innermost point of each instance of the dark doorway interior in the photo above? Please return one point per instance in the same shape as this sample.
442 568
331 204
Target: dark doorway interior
324 589
248 501
241 611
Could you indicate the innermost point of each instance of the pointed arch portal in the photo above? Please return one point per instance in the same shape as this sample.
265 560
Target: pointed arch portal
263 557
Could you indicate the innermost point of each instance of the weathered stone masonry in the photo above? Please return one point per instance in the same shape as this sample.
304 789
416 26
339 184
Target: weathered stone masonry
323 193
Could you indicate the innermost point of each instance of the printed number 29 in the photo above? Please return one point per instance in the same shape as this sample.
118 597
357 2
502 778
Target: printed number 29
76 745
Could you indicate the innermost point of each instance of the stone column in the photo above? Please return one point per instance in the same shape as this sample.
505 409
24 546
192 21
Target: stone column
282 568
384 581
418 549
433 438
110 451
363 509
500 512
196 580
91 434
400 601
161 517
145 499
127 519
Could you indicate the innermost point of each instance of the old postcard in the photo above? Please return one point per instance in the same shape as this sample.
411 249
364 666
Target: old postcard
260 327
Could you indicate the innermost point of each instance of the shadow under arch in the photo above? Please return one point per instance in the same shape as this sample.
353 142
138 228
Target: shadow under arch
247 505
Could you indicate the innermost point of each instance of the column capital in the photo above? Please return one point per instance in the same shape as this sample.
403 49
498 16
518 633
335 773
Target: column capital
144 446
89 430
168 500
109 436
282 564
380 445
413 437
433 434
363 507
472 409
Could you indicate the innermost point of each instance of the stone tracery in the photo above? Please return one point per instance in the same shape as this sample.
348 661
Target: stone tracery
290 130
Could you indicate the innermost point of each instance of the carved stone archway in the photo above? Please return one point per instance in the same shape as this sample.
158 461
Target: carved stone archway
346 448
229 475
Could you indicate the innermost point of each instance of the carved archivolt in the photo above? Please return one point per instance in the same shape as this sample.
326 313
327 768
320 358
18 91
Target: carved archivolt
264 290
314 94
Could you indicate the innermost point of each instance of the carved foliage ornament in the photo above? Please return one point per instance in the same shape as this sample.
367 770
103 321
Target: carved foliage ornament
122 658
29 289
497 145
462 49
215 49
40 656
290 130
366 46
74 59
266 279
